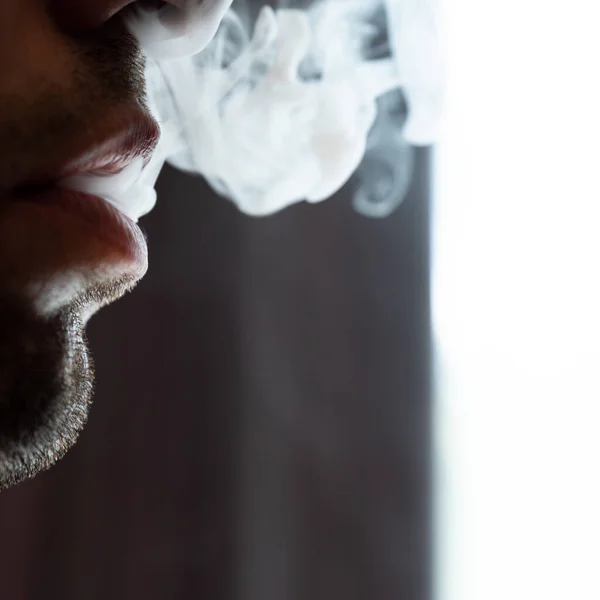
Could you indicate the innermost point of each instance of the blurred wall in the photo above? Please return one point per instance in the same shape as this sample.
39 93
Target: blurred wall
261 424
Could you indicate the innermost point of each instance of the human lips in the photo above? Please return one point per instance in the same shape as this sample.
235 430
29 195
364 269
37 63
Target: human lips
125 178
117 152
53 238
128 137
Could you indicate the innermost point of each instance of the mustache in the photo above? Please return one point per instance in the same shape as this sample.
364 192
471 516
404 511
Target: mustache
114 56
54 113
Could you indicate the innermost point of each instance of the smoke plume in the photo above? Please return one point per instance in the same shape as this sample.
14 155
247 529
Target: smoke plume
287 104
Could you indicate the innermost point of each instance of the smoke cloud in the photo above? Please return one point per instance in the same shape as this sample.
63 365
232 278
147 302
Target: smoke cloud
285 106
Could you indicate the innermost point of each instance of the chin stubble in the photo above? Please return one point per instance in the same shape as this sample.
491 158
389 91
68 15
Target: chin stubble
46 381
46 371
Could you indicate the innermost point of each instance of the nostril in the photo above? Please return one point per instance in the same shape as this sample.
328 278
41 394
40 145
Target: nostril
169 10
158 5
152 4
82 15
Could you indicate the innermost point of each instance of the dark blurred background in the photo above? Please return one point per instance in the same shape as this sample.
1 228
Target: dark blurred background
261 429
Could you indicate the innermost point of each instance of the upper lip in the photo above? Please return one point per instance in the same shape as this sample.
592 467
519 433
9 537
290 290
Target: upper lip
135 134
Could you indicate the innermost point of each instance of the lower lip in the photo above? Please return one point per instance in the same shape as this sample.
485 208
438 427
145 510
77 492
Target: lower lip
96 216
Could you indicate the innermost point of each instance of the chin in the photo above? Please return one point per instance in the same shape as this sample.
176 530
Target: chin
46 379
62 258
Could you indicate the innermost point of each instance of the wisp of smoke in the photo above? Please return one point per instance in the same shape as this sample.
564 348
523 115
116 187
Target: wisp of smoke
286 106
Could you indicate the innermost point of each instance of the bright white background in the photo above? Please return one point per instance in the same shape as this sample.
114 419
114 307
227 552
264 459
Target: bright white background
516 282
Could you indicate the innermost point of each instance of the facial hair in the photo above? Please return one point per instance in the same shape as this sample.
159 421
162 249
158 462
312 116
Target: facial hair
46 371
46 381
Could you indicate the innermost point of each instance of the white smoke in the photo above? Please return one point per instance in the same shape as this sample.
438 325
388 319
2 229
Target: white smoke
284 108
179 29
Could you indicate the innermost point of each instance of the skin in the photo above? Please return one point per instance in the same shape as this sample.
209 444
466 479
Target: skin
70 74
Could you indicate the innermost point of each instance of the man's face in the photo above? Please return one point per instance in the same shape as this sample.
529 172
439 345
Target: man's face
71 101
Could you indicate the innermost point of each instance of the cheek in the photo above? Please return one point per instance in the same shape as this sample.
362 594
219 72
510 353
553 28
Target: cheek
32 51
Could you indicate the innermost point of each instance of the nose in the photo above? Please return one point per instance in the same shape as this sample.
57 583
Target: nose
81 15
